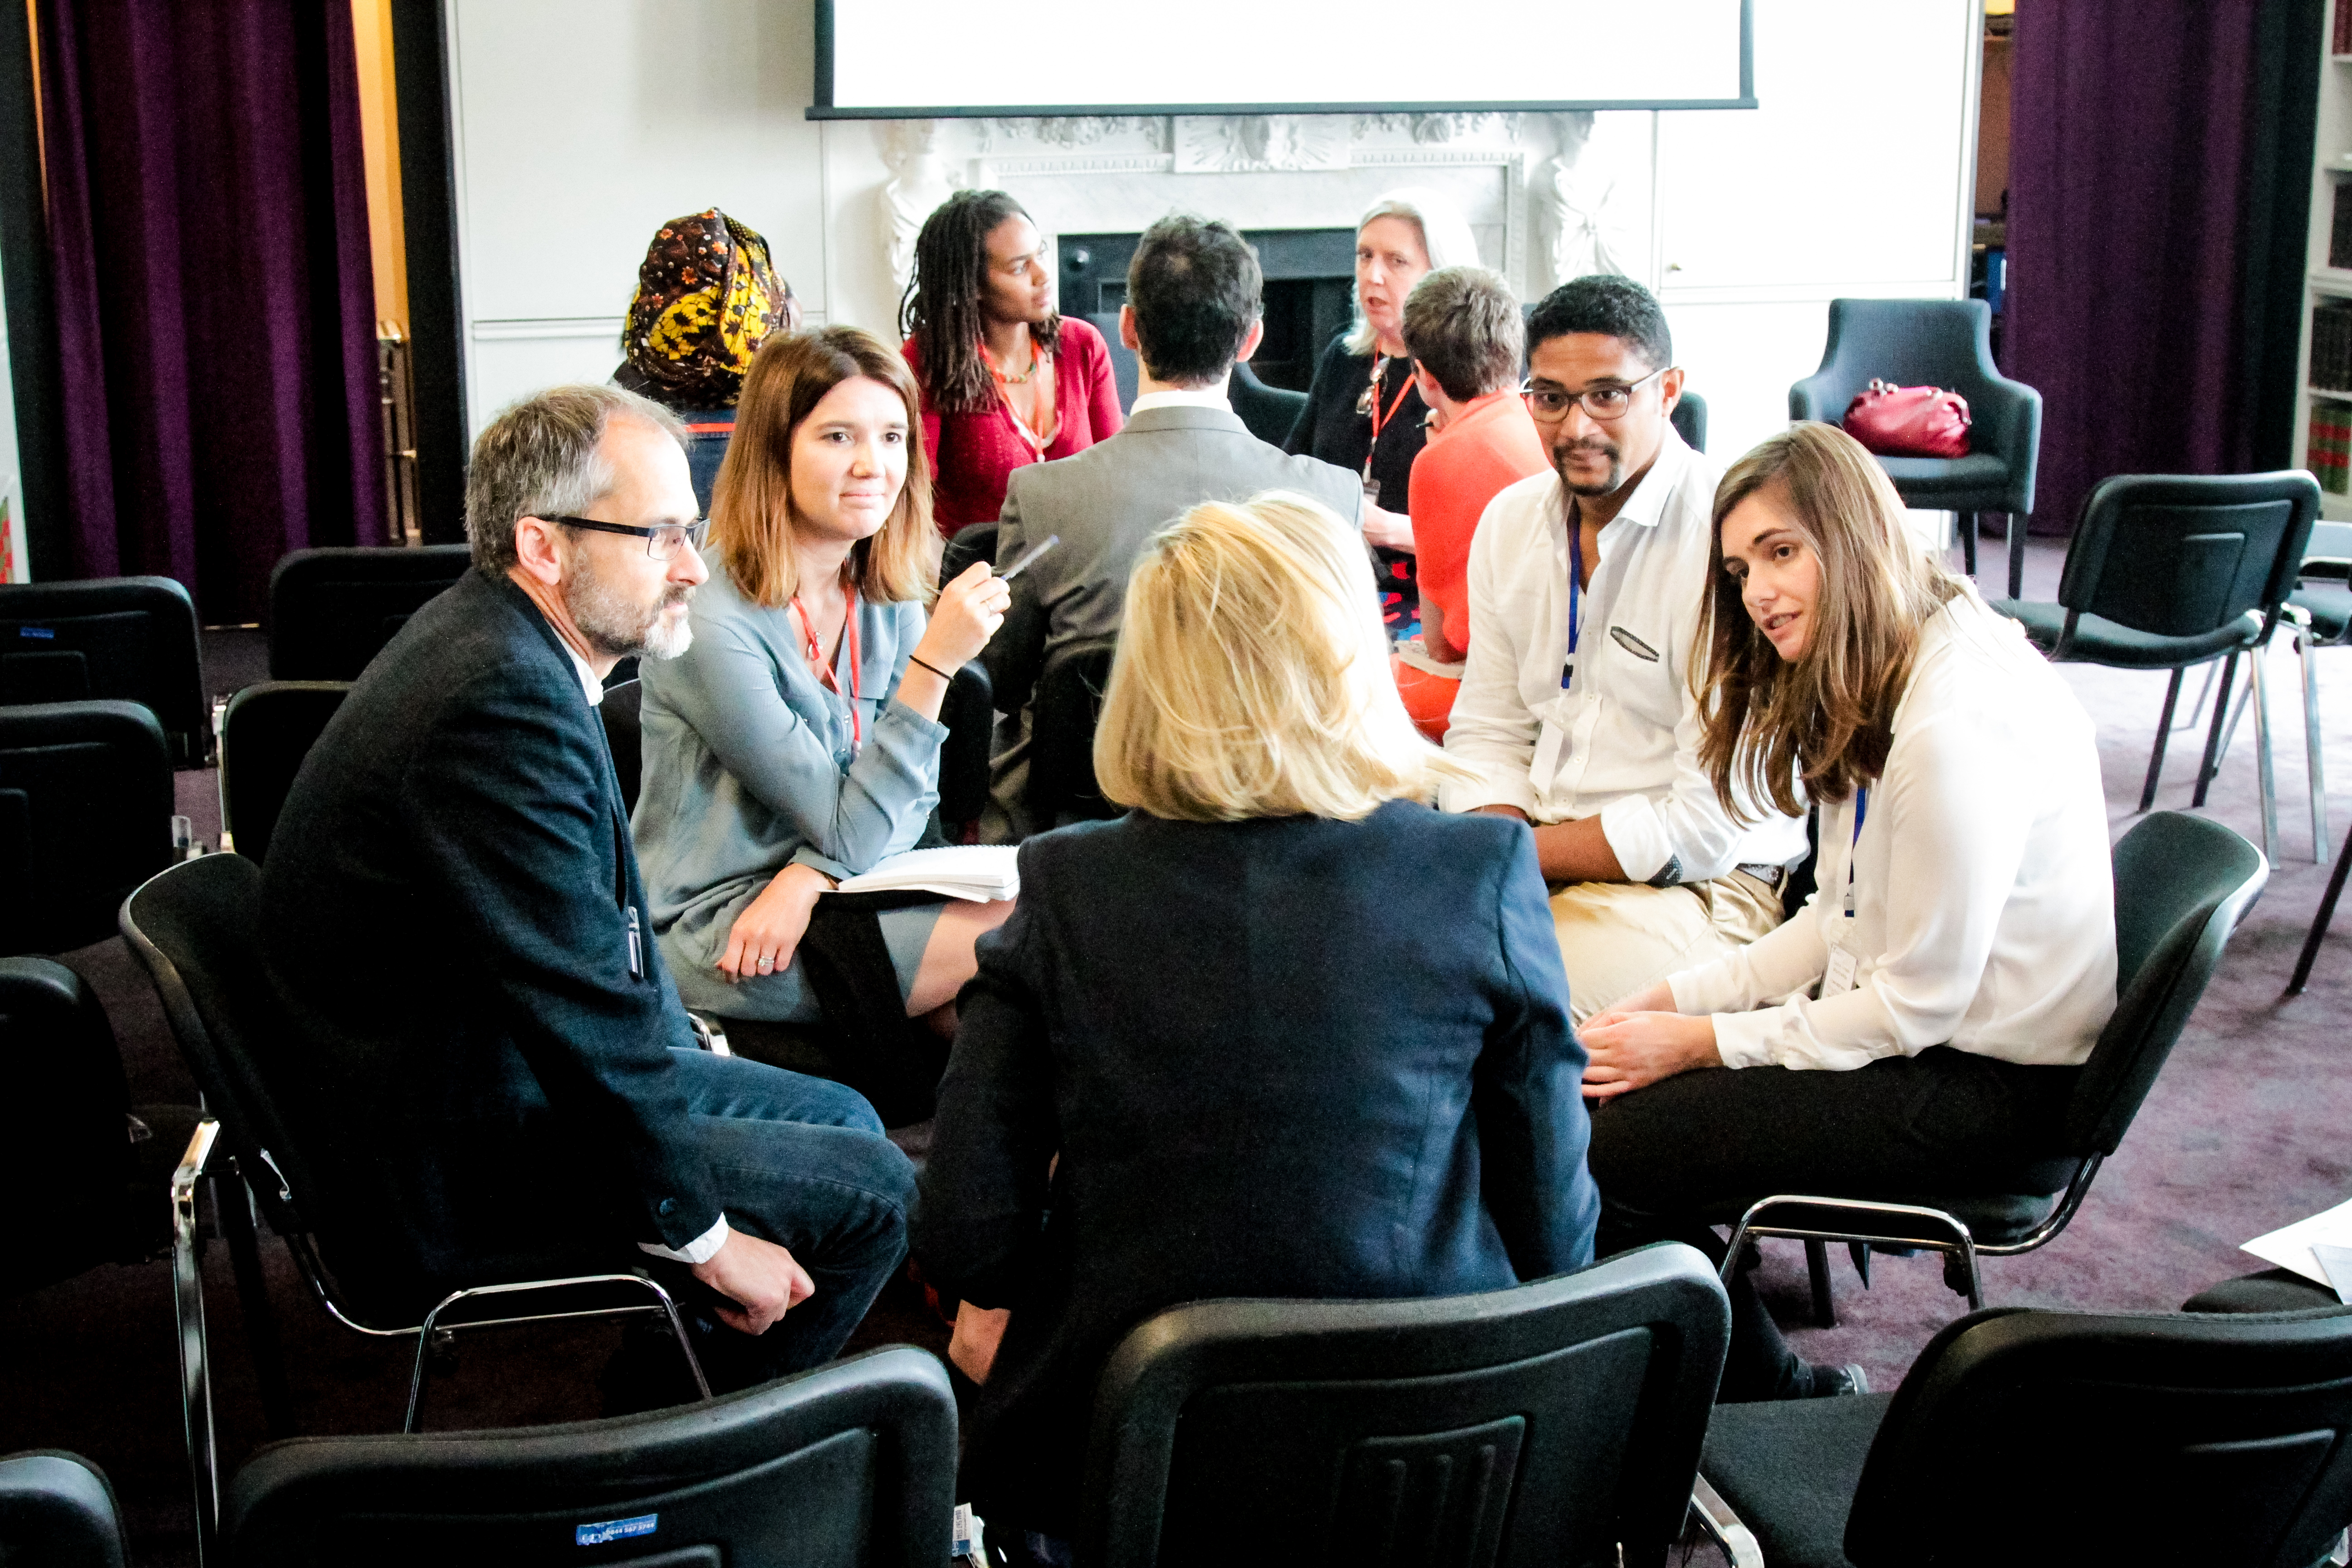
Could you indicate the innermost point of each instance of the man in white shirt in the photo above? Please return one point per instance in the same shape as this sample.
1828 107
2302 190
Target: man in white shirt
1194 309
1576 708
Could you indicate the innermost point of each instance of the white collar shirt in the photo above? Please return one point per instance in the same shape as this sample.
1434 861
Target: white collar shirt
1620 740
1183 397
590 687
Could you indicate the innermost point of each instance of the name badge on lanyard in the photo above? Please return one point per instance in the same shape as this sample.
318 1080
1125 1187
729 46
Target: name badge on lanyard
1842 960
1575 599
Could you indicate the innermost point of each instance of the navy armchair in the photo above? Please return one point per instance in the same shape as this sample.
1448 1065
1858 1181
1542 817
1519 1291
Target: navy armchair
1946 343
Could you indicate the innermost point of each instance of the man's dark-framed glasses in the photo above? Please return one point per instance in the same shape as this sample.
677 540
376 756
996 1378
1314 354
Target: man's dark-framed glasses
1549 405
662 539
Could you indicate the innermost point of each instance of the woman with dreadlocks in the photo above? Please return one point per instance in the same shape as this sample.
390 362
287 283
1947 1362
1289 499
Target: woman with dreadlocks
1005 380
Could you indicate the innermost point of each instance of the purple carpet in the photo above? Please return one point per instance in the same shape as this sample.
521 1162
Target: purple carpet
2244 1131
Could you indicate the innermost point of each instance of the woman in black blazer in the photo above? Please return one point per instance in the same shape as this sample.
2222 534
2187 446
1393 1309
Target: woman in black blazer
1211 1054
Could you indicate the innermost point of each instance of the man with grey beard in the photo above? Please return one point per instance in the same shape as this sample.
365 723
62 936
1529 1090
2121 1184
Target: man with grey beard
452 911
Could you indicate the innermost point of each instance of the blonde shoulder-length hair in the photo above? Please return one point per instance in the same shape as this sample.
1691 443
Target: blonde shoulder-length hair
1252 677
751 512
1828 717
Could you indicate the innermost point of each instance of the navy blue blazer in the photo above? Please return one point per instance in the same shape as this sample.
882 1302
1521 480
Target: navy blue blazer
1265 1075
445 908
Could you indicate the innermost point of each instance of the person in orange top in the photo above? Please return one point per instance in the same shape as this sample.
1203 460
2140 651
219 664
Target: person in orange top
1463 328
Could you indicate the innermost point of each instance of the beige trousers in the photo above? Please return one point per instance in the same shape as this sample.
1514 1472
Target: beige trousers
1617 938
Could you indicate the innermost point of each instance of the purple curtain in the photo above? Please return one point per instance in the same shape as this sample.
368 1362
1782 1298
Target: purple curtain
2127 239
216 309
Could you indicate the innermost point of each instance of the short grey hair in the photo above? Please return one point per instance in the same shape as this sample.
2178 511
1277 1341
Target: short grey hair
1462 325
1445 239
539 459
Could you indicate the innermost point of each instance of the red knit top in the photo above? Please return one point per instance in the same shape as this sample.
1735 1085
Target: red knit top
974 454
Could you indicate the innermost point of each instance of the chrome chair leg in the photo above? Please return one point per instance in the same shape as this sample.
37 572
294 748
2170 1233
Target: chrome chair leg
188 1311
2315 763
2164 733
1724 1527
2014 526
2263 753
639 1281
2216 734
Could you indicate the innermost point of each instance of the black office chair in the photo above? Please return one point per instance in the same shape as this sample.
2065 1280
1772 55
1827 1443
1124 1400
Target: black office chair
2182 884
196 927
623 711
973 542
86 809
58 1511
851 1464
128 638
2048 1439
266 730
968 712
2166 571
1945 344
91 1170
1545 1424
1067 702
1689 420
331 611
1269 411
1125 367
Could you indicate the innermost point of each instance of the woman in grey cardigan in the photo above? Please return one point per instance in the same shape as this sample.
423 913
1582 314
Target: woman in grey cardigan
797 741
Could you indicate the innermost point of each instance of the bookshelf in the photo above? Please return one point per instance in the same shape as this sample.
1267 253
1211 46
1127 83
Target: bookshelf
2324 412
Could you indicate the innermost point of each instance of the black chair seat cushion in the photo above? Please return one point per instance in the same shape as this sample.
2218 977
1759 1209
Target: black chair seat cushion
1977 483
2098 640
2330 610
1789 1470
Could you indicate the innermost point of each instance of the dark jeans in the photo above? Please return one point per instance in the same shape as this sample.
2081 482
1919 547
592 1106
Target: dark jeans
1713 1141
802 1162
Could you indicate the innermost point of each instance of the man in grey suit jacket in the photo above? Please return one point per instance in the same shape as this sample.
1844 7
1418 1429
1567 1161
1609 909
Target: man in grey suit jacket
1194 307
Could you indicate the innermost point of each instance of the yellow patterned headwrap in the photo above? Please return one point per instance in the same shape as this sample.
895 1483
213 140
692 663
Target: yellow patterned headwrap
707 299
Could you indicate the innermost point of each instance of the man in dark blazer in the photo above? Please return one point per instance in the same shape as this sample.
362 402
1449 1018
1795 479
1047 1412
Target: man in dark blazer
452 909
1194 307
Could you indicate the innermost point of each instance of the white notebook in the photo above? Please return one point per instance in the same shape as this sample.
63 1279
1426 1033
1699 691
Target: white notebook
976 871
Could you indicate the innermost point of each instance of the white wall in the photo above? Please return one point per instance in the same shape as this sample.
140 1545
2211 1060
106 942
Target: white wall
582 124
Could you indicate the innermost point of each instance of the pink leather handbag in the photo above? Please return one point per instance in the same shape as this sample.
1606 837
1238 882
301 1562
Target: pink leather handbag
1909 421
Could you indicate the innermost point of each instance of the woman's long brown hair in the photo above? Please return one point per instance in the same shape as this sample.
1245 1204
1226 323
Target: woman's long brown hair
751 512
1826 719
941 309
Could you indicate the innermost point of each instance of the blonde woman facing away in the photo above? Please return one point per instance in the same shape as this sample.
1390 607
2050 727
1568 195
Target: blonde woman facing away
1952 973
797 741
1263 1074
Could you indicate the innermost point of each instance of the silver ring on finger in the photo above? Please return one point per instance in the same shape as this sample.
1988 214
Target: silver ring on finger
767 965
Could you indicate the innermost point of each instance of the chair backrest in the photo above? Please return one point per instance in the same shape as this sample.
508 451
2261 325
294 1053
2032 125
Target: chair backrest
1689 420
1269 411
968 712
2331 542
2185 554
70 1146
2159 1439
85 816
266 731
331 611
851 1464
1911 342
1535 1424
973 542
197 929
623 711
1062 734
2182 884
56 1510
128 638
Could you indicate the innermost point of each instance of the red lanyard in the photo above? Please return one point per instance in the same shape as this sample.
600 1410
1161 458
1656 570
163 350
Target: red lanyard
822 670
1380 419
1038 361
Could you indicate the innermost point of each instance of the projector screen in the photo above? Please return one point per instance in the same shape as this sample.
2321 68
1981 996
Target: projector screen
900 59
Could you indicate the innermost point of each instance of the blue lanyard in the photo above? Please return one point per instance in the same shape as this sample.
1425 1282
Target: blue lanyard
1861 810
1575 594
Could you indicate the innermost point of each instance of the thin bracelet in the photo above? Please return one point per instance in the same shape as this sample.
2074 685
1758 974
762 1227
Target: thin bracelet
934 668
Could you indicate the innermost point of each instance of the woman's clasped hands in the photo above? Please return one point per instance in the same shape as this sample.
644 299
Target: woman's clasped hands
1641 1040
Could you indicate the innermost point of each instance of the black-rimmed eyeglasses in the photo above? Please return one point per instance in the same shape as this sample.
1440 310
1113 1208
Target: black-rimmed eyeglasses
662 539
1549 405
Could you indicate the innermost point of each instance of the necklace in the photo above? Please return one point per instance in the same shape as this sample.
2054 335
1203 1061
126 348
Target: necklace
1035 355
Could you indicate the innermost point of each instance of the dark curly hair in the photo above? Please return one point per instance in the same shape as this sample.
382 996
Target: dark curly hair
941 309
1605 303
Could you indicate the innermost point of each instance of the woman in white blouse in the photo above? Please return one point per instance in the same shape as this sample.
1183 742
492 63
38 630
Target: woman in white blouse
1916 1028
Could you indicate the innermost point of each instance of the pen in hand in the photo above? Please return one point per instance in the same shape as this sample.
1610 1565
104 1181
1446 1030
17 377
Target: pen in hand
1022 565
